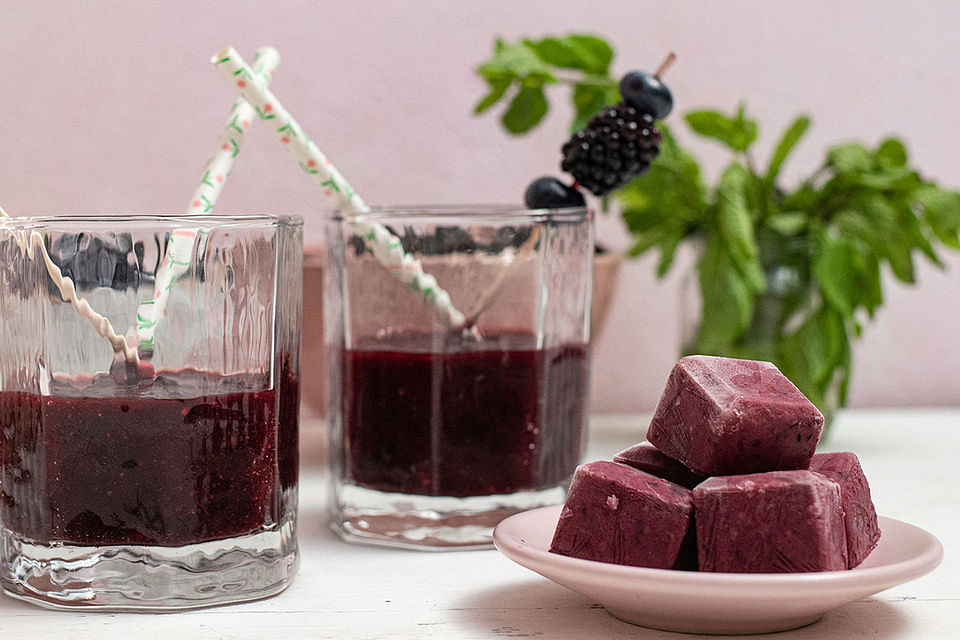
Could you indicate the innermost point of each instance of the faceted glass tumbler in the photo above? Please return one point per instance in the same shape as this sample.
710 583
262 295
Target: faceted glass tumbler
438 432
168 480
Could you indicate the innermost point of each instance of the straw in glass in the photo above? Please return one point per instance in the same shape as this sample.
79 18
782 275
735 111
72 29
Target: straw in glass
385 246
33 241
176 259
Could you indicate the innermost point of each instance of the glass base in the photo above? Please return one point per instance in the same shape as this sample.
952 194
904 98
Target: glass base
431 523
148 578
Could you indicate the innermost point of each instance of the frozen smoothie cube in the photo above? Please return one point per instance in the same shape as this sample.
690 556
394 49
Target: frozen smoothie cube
722 416
617 514
859 515
648 458
777 522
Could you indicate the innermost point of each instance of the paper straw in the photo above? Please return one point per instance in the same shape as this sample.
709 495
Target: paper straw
385 246
68 291
176 259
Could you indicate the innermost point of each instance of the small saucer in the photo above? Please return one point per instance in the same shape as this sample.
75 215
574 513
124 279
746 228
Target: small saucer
721 603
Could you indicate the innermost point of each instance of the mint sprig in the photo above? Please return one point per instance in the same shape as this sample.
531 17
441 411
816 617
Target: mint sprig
788 275
517 72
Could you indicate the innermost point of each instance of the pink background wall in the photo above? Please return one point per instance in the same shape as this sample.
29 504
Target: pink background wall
113 107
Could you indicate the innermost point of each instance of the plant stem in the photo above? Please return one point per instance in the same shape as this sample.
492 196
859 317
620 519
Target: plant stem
748 158
812 180
597 82
762 197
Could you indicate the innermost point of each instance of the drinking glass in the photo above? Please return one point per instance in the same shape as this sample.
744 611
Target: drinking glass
438 432
165 483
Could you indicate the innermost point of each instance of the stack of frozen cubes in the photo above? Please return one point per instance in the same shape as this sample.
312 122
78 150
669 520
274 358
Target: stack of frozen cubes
728 482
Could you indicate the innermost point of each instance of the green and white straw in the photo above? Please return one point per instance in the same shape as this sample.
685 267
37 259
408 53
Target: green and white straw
31 242
177 257
385 246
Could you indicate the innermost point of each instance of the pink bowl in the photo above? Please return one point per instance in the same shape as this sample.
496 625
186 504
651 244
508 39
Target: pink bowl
727 603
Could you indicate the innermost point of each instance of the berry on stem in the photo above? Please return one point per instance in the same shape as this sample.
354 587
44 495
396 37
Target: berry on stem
621 141
549 193
647 93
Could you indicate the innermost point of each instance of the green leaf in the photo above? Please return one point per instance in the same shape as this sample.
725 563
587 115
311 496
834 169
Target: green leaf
850 157
835 267
892 180
515 61
670 193
642 218
890 232
787 223
737 133
644 242
918 232
727 300
891 154
587 53
498 87
848 273
668 249
890 228
600 48
676 159
869 281
736 225
526 110
805 198
788 141
666 237
811 354
941 211
557 52
588 99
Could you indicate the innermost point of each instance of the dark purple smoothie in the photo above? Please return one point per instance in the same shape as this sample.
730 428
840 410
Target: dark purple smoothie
187 457
453 416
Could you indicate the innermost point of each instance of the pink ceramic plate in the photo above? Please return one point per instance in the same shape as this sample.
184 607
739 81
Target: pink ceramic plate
717 602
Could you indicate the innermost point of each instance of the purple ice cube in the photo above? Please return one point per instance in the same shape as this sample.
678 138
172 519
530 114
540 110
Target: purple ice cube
859 515
648 458
777 522
617 514
722 416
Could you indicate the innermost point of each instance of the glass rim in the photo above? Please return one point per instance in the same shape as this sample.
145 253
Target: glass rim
474 212
139 220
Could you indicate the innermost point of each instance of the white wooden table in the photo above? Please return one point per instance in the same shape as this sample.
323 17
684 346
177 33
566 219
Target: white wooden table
912 459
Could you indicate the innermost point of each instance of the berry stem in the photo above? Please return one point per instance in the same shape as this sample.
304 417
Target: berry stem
662 69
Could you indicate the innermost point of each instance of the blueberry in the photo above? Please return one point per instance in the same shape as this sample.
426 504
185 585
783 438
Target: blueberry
550 193
645 92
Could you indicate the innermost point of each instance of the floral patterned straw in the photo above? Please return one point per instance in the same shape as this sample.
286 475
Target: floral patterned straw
176 259
385 246
68 291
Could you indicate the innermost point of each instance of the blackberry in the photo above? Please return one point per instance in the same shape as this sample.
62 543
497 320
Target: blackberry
618 144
